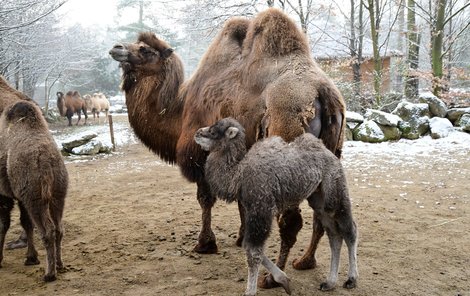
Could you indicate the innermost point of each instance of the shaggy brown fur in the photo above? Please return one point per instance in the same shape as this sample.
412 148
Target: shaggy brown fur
268 82
97 103
9 95
32 171
71 103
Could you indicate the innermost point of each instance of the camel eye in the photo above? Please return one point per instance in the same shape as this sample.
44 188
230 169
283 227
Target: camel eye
143 50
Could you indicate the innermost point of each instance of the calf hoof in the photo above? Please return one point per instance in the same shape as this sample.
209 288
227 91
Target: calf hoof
31 261
304 263
267 282
350 283
50 278
206 248
326 286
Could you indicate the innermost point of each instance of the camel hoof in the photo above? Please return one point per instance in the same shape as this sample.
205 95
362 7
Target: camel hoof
304 263
31 261
50 278
326 286
350 283
207 248
17 244
267 282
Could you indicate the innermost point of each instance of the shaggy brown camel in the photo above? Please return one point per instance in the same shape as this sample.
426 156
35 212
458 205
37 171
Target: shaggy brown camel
8 96
97 103
71 103
32 171
261 73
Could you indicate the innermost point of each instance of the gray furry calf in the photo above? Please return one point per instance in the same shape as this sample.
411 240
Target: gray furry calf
270 178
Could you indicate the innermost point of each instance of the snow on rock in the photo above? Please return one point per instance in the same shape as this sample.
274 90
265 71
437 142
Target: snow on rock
436 106
454 114
91 148
464 122
354 117
382 118
369 131
440 127
77 140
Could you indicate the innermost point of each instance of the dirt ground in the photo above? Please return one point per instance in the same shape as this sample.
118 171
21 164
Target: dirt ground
131 222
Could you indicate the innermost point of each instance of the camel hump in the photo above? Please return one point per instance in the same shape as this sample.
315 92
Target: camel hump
76 94
21 110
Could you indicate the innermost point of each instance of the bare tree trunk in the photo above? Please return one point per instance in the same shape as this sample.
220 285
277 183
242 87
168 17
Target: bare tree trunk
375 47
437 38
412 80
355 51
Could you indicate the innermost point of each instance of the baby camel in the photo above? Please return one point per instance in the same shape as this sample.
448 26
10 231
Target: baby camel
32 171
270 178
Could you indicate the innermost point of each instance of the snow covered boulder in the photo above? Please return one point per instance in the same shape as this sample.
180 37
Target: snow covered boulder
78 140
382 118
415 119
370 132
91 148
440 127
436 106
454 114
354 117
464 122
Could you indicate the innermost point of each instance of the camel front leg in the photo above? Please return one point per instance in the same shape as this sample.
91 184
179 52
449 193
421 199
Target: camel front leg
290 223
308 261
206 241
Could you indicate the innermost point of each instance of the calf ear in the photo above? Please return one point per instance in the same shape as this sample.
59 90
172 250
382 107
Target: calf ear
166 53
231 132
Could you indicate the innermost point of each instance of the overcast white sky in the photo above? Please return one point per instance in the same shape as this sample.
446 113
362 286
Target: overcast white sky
89 12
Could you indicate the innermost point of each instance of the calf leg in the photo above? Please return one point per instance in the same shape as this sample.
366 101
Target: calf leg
6 205
335 245
351 241
27 224
278 275
290 223
206 241
241 231
254 257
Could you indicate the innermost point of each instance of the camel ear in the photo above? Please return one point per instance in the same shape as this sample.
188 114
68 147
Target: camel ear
231 132
166 53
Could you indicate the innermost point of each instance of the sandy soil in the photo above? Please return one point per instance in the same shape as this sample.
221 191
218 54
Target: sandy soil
131 222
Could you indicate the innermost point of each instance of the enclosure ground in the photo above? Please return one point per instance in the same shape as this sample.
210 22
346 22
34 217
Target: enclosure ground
131 222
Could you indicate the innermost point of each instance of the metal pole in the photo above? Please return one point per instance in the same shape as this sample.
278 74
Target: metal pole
110 119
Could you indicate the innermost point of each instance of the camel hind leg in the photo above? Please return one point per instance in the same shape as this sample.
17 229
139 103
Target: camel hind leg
41 216
27 224
56 213
6 205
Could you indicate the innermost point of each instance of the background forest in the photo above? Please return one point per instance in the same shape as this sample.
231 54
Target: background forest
375 50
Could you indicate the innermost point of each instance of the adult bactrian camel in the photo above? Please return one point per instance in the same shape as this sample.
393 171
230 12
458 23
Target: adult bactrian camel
97 103
261 73
71 103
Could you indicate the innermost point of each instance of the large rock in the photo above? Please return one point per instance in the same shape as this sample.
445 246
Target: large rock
78 140
391 133
436 106
91 148
382 118
440 127
415 119
464 122
370 132
454 114
354 117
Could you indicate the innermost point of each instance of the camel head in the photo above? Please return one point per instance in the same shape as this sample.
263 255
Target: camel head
61 103
146 55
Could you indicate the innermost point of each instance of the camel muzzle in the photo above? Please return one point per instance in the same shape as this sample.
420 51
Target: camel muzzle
119 52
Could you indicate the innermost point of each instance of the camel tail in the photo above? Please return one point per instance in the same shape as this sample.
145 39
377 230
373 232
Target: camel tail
334 119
